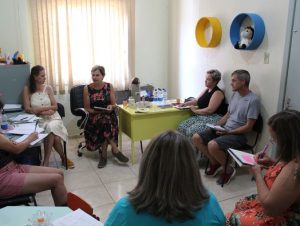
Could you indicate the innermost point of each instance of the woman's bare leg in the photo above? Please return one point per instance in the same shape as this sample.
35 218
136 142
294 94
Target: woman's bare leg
59 148
44 178
48 144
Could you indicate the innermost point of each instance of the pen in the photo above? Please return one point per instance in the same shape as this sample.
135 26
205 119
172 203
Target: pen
23 118
262 154
36 123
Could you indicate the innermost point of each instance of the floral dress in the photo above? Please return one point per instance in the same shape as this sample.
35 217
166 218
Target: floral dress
103 125
249 211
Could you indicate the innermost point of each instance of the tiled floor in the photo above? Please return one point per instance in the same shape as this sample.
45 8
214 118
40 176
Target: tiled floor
103 187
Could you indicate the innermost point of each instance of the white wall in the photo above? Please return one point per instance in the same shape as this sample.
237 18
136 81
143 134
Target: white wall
151 41
166 51
188 62
15 28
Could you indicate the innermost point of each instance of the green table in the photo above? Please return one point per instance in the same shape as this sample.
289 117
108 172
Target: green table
21 215
142 126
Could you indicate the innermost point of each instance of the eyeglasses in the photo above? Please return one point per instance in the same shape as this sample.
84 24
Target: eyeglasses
96 75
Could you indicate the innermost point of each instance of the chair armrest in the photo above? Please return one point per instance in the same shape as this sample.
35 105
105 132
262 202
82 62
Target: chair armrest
82 122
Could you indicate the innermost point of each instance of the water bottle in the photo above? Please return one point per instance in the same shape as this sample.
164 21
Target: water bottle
155 95
159 95
165 96
4 122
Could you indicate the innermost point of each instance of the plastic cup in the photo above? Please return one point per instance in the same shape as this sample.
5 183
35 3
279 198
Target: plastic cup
178 101
125 103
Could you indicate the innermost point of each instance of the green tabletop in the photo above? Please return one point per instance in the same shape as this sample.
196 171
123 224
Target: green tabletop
22 215
141 126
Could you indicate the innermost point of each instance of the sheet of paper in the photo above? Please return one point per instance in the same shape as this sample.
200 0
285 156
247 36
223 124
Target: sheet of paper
183 107
41 136
76 218
25 128
215 127
25 118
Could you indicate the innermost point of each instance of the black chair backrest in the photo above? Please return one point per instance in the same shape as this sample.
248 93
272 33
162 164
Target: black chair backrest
258 126
61 110
76 99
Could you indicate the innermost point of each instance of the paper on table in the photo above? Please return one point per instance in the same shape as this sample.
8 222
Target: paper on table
25 128
25 118
77 218
183 107
41 136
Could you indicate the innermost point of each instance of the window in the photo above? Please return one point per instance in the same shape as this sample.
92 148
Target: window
71 36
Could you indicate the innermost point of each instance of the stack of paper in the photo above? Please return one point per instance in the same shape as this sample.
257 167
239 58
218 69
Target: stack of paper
22 118
25 128
12 107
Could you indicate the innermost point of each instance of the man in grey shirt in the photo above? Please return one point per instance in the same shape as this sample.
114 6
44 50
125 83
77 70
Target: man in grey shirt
243 111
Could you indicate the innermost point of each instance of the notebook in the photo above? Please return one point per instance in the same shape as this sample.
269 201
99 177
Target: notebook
242 158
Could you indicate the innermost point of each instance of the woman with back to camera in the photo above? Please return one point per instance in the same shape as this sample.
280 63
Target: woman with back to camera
169 190
38 99
102 126
278 192
17 179
209 107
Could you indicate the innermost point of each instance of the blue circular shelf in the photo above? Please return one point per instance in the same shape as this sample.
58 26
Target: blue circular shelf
257 24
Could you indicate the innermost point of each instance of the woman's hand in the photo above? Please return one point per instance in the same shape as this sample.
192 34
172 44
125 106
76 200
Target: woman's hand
110 108
255 170
194 108
33 136
47 113
263 159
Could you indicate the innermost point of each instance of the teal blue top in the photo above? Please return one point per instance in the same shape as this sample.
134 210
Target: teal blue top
123 214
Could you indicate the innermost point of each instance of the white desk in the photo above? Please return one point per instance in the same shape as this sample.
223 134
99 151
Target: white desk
20 215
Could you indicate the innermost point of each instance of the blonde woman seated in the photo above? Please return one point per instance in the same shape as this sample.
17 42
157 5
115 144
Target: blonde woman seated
169 190
102 126
208 108
17 179
38 99
278 190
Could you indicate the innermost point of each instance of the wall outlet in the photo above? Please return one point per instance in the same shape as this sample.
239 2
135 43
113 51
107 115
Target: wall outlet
266 58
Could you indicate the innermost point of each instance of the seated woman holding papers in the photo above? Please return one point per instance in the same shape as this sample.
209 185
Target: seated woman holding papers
278 192
16 179
211 105
102 126
38 99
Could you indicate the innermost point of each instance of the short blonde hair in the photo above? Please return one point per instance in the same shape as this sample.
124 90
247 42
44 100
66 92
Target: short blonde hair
100 68
215 75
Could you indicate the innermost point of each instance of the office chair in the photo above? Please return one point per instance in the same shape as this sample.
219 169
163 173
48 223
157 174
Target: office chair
77 109
257 129
75 202
19 200
61 112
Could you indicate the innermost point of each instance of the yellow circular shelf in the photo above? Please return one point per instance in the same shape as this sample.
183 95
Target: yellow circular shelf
216 32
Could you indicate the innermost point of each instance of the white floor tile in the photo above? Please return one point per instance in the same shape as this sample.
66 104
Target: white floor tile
103 187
